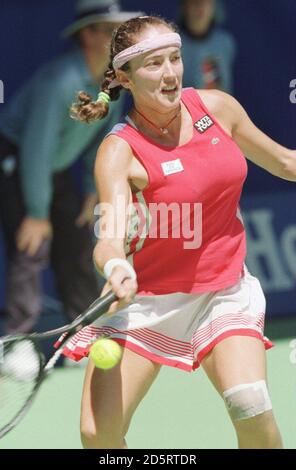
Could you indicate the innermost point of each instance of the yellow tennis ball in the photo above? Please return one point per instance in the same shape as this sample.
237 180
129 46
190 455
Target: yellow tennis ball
105 353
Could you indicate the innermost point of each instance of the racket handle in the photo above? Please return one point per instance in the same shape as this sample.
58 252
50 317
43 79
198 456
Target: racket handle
99 307
96 309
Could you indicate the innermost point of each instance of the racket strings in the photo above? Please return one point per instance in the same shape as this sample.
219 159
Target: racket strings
20 364
22 367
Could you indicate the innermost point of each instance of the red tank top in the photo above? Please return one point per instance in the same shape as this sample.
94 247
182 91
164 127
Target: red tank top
186 233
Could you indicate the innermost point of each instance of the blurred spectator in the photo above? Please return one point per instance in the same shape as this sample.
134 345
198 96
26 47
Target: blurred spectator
40 208
208 50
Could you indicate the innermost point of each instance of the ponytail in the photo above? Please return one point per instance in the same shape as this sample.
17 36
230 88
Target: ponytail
87 110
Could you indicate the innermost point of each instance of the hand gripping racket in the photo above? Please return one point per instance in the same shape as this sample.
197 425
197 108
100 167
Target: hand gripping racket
23 368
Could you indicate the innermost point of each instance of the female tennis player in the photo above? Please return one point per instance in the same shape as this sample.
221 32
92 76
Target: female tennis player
185 296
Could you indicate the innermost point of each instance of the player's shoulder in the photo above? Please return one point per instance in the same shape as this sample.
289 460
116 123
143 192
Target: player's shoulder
226 109
115 141
115 152
217 100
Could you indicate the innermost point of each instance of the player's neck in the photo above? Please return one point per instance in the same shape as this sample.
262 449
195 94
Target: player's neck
157 124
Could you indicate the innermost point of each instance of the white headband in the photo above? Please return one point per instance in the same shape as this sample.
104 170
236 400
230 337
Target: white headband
161 40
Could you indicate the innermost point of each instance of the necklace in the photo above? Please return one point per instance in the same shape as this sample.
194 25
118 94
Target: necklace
163 130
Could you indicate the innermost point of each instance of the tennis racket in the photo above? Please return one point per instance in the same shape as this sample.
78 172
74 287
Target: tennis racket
20 378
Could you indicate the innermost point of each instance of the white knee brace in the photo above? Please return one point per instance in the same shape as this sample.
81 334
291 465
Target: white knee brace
247 400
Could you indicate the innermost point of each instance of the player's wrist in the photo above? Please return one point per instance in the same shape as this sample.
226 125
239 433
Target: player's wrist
114 262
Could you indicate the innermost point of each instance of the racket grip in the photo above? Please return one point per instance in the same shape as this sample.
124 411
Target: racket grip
99 307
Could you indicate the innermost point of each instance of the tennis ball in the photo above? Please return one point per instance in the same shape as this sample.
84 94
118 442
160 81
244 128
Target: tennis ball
105 353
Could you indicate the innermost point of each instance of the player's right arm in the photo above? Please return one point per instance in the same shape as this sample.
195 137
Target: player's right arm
112 175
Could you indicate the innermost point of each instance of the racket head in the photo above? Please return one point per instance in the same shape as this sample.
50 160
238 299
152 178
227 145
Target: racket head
21 373
22 376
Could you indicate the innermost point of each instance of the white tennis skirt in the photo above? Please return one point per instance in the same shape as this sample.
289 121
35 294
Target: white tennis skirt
178 330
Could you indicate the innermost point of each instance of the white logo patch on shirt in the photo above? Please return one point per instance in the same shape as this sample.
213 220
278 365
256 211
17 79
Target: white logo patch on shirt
174 166
203 124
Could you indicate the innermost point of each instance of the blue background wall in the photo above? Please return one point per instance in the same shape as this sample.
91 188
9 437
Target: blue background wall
265 31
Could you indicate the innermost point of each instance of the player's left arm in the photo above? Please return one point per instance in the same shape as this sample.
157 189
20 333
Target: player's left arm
256 146
261 149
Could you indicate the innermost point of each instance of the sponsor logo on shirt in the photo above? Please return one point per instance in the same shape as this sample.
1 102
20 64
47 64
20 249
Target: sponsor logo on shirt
174 166
203 124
